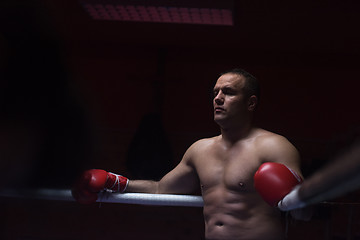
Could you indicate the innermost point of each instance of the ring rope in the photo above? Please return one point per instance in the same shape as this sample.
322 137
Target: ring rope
126 198
109 197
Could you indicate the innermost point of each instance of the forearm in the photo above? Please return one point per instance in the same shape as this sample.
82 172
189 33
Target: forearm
142 186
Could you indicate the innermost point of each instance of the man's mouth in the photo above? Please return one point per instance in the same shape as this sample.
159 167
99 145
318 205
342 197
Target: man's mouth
219 109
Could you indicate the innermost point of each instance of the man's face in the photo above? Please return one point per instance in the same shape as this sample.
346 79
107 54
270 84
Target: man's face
229 99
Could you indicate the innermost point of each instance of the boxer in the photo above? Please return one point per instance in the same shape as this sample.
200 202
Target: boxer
223 168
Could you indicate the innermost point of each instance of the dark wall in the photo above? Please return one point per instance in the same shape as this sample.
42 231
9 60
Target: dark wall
76 92
313 105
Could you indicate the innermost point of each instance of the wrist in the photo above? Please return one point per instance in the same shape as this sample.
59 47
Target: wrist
116 183
292 200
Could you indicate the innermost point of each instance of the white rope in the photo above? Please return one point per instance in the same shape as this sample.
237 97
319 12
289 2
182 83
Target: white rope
152 199
127 198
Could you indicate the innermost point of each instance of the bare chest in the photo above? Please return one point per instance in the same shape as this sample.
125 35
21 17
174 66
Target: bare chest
231 169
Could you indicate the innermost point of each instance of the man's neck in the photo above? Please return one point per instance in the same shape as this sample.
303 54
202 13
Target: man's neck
233 135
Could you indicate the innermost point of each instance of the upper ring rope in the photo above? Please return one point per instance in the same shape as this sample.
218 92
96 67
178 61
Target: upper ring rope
128 198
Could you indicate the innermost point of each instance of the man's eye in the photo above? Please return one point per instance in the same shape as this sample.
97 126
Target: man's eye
228 92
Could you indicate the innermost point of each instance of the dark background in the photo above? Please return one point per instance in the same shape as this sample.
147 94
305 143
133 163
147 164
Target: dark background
130 97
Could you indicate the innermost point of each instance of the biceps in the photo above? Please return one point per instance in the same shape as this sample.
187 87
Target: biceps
286 154
181 180
292 160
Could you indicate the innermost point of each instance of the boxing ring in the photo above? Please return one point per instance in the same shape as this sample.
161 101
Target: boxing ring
110 197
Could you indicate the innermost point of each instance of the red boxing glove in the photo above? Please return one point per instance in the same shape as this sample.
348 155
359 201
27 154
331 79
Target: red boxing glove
93 181
274 181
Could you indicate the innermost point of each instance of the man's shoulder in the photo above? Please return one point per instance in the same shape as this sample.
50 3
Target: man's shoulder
203 145
265 139
200 147
265 135
204 142
275 147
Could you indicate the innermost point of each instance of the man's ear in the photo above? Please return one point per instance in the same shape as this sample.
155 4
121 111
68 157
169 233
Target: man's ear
252 103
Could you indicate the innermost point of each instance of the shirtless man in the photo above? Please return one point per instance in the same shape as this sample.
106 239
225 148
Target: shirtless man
224 167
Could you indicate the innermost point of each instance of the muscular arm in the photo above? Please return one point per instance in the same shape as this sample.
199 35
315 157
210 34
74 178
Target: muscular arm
182 179
278 149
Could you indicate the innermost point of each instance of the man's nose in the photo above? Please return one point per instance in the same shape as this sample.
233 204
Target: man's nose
219 98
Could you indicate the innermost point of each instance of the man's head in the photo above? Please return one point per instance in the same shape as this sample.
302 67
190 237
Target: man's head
236 95
251 86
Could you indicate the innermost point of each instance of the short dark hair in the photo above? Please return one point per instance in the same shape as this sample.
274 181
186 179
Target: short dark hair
252 86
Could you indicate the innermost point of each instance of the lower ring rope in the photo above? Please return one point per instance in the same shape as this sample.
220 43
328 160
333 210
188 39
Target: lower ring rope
109 197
